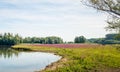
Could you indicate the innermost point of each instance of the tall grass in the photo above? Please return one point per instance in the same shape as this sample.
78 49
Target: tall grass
97 59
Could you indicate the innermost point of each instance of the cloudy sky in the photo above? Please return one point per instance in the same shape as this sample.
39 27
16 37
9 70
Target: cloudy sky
41 18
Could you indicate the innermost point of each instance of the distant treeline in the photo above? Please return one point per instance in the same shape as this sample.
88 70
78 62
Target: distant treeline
109 39
42 40
10 39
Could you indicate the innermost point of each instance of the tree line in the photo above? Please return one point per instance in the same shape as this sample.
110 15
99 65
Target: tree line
12 39
43 40
109 39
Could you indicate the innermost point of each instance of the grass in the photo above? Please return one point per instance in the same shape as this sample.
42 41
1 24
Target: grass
91 59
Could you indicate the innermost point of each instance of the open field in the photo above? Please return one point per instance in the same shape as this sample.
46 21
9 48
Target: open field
80 57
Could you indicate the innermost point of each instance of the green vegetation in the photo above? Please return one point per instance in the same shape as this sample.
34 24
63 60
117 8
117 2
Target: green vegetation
80 39
91 59
7 52
109 39
10 39
46 40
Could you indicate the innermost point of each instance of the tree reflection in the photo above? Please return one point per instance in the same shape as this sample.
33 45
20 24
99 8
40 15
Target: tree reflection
7 52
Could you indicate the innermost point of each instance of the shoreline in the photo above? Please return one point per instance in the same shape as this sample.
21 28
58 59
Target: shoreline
90 59
51 66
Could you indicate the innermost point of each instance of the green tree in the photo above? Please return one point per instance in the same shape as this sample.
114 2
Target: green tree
27 40
17 39
46 40
35 40
53 40
42 40
111 36
80 39
110 6
10 39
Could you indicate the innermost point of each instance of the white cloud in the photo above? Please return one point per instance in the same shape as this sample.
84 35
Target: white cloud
65 18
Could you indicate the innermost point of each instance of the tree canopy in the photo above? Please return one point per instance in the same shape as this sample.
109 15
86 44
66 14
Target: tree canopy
10 39
109 39
80 39
110 6
43 40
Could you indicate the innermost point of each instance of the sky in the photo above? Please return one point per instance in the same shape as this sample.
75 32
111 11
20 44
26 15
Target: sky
64 18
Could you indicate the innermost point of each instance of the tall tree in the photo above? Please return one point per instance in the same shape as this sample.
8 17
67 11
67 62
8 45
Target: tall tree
10 39
80 39
53 40
110 6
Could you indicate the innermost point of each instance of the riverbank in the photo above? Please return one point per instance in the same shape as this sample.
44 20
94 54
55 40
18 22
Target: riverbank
81 58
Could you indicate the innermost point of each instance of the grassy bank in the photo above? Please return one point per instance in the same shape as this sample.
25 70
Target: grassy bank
89 59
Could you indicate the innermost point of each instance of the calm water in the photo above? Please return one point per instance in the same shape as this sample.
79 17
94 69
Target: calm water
14 61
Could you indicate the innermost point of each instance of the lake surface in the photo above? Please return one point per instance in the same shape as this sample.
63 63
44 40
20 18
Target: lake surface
16 61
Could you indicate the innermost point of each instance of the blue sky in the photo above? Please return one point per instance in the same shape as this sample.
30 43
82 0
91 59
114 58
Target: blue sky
41 18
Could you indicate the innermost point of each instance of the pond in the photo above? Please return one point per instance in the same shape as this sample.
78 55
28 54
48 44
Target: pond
16 61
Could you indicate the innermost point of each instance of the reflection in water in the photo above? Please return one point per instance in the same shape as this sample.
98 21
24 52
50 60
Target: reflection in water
14 61
7 52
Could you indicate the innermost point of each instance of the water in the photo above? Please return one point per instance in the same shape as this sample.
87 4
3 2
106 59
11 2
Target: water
15 61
